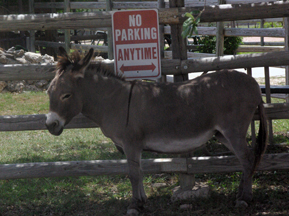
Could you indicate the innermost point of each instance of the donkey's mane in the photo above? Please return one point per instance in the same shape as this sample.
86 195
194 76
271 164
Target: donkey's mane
95 66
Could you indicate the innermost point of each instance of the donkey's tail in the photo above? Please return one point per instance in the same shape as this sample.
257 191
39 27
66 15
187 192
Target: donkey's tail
261 144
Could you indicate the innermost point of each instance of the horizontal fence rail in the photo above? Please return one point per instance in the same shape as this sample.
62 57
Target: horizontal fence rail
166 16
133 5
246 32
37 122
194 165
244 48
169 66
73 46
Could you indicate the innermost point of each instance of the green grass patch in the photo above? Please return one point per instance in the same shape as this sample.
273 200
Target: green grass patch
24 103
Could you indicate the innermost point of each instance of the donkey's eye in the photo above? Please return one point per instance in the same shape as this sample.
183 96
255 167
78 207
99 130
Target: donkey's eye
65 96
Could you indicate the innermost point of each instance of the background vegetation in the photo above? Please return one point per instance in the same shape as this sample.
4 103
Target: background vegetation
208 44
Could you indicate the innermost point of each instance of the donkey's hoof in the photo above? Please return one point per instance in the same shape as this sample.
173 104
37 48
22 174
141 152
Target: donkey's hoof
132 212
241 204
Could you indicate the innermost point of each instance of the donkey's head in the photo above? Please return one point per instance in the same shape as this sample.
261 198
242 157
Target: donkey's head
64 95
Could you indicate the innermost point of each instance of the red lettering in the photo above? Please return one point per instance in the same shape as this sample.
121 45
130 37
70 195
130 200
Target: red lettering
132 52
154 52
126 54
137 52
120 57
147 53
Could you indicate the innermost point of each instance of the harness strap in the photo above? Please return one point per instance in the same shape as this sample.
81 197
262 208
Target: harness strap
129 99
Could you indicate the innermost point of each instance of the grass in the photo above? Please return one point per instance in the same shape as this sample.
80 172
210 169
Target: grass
110 195
24 103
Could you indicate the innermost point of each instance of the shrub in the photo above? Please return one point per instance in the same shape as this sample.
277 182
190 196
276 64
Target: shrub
208 43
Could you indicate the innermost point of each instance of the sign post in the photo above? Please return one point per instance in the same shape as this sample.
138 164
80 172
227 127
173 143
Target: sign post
136 44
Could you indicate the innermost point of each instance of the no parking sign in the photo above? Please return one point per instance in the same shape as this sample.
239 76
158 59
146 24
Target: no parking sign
136 44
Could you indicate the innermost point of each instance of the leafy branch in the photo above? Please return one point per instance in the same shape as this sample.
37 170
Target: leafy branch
191 24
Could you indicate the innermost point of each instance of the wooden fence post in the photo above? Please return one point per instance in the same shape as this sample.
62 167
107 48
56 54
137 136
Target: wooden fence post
262 26
50 35
286 26
179 51
161 4
32 32
220 36
67 31
179 48
268 100
109 32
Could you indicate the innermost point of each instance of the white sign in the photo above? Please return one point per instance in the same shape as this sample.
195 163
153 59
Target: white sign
136 44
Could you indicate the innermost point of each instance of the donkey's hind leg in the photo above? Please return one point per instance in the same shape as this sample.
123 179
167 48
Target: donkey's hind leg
238 145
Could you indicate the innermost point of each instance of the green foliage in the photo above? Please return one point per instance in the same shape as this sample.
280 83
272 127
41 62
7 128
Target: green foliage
208 43
231 44
190 25
273 24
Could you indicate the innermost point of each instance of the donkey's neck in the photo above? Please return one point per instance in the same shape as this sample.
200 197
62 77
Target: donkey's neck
103 96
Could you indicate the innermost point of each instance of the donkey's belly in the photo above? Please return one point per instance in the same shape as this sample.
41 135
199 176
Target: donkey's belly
169 144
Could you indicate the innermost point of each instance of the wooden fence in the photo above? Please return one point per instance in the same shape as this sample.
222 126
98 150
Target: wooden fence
262 32
179 66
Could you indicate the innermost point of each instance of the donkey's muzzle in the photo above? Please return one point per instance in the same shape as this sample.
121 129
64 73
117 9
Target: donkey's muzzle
54 128
54 124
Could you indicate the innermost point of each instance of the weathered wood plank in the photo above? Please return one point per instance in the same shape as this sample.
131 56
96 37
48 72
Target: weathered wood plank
193 165
26 72
168 55
37 122
49 5
248 1
242 22
166 16
88 168
117 5
78 37
55 21
235 12
88 5
231 163
132 5
237 61
169 66
135 5
276 89
244 48
275 111
246 32
265 43
260 32
73 46
194 3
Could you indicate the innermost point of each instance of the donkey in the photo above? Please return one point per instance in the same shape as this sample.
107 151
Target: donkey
161 117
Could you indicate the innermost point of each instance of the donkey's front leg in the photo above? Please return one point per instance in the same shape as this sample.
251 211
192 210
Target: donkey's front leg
136 179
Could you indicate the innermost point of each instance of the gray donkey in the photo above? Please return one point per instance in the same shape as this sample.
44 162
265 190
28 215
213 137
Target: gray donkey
161 117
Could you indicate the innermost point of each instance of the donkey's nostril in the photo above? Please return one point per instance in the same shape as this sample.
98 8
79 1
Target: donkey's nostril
55 124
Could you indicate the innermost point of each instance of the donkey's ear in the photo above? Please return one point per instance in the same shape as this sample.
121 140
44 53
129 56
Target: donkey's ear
83 63
62 52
